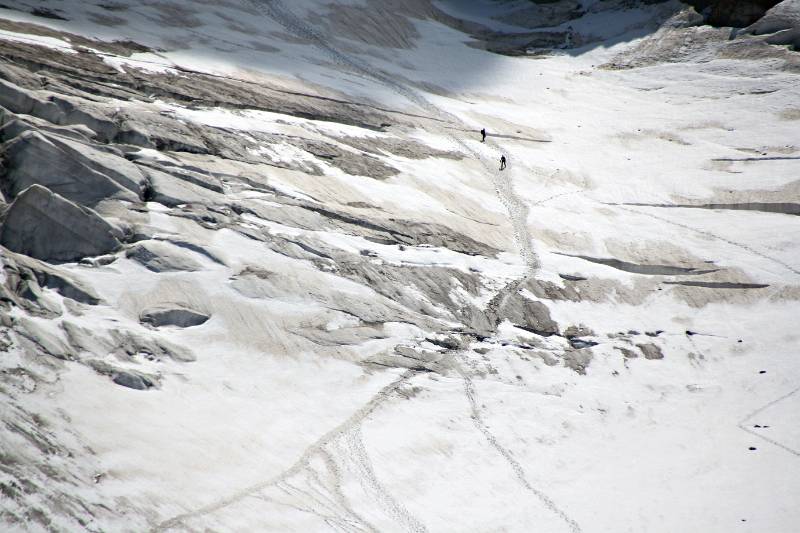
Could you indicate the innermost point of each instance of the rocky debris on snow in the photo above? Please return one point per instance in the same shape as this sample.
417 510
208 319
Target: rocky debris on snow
581 343
650 351
578 359
72 169
626 352
683 37
578 331
123 344
15 125
529 315
735 13
39 339
373 227
398 147
544 14
781 22
130 344
162 257
25 278
305 256
172 316
195 88
437 286
448 342
131 379
39 480
165 188
21 289
412 358
44 225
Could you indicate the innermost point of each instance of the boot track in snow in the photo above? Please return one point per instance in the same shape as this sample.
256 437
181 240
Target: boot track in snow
517 211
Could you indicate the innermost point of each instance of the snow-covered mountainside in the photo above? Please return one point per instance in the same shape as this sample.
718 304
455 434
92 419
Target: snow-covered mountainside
260 272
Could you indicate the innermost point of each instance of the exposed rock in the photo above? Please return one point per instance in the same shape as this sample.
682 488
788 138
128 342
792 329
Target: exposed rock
782 22
411 358
735 13
578 331
132 381
581 343
131 344
19 100
62 282
200 179
86 341
172 191
161 257
650 351
627 353
783 16
17 125
42 339
69 168
447 342
125 377
578 360
44 225
22 289
173 316
529 315
24 279
398 147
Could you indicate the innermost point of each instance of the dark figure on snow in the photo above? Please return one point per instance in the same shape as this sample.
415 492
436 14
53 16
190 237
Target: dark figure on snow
483 135
502 162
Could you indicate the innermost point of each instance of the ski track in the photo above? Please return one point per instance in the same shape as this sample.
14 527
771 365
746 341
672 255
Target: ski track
519 472
518 215
300 464
370 483
327 508
338 494
763 437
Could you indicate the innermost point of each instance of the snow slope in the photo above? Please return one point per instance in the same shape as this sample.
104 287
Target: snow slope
396 335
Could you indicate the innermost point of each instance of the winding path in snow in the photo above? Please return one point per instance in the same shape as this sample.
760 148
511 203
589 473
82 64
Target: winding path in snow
390 505
517 211
298 466
764 437
477 419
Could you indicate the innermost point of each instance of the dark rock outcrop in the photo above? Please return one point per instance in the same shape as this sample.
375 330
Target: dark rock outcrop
69 168
529 315
651 351
172 316
733 13
47 226
162 257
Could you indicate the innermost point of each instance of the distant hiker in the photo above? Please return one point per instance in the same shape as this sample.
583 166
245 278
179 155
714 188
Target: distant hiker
483 135
568 37
502 162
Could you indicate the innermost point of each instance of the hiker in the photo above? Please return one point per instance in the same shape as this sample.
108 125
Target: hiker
483 135
502 162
